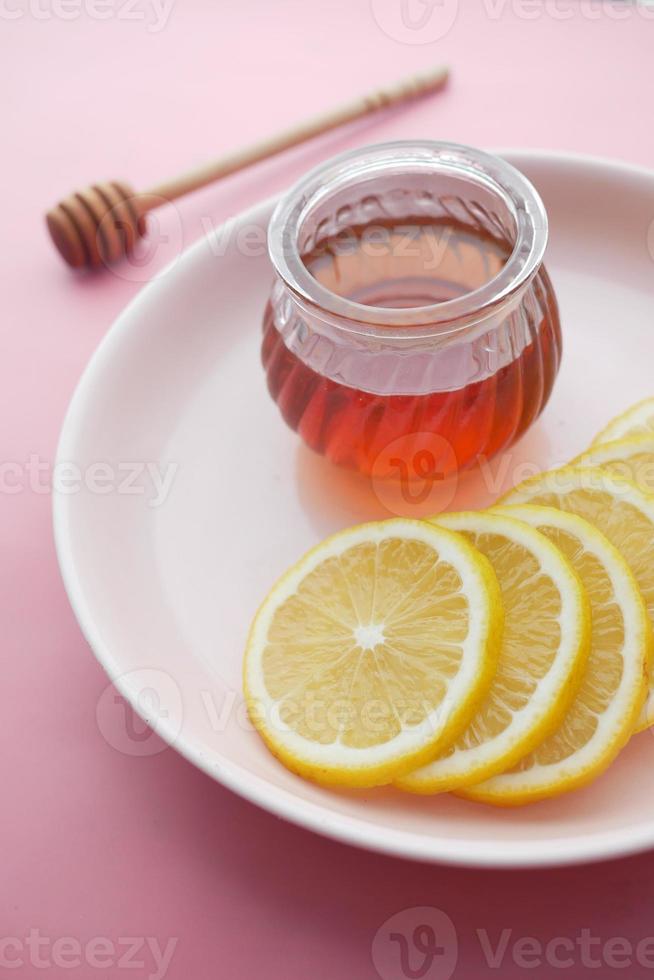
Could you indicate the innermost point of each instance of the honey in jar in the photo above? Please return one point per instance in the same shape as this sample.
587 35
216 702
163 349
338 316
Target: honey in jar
411 309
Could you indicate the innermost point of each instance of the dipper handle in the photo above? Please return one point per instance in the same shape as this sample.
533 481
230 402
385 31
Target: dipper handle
103 222
383 98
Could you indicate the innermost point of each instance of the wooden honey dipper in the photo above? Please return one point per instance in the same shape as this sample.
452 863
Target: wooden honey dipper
103 222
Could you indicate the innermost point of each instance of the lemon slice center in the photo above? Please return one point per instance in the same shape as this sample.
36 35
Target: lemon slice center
370 636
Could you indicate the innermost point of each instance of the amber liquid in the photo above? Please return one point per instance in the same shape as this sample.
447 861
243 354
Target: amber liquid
414 263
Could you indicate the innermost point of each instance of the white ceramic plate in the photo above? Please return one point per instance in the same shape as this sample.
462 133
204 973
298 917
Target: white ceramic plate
165 594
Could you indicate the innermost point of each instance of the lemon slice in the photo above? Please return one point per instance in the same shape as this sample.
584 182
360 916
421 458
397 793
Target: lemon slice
631 458
371 650
602 716
543 652
617 508
636 421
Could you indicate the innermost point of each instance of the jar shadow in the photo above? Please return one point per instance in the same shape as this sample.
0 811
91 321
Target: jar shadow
334 497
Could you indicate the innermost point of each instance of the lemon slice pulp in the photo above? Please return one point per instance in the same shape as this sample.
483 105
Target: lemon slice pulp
373 649
601 717
632 459
637 420
543 651
617 508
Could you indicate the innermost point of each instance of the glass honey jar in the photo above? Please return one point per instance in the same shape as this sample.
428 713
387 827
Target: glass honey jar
411 308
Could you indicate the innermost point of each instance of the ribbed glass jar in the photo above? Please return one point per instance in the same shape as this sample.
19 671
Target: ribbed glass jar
411 317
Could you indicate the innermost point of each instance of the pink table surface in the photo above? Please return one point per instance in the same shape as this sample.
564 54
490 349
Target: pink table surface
98 845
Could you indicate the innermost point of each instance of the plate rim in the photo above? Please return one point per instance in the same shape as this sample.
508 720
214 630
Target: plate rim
463 852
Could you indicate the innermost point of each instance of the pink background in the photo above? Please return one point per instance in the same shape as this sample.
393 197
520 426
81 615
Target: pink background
98 843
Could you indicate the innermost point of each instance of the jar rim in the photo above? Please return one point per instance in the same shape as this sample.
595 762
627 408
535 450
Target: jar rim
453 159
